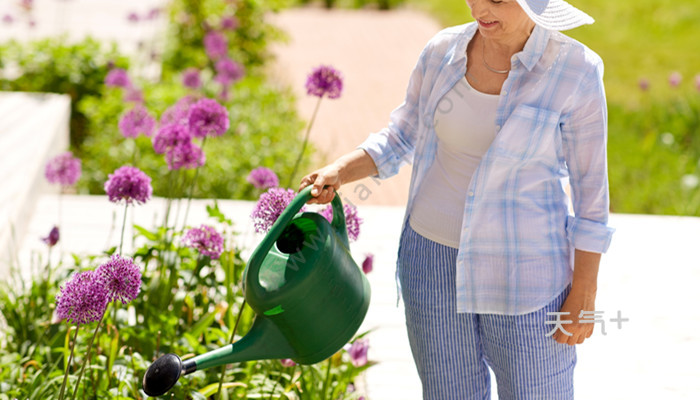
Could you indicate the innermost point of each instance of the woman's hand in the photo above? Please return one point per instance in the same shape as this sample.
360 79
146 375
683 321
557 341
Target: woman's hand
578 300
325 182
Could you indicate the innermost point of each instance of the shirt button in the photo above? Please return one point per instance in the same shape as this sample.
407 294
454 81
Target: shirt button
471 194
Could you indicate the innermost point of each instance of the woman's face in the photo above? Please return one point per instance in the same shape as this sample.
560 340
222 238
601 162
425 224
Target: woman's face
500 19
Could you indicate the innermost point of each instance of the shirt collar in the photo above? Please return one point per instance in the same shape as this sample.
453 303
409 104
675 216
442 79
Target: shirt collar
530 54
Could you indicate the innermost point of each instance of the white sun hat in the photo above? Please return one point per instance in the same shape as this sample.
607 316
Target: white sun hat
555 15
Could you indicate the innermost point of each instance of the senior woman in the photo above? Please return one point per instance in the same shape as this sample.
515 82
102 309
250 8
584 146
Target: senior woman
497 114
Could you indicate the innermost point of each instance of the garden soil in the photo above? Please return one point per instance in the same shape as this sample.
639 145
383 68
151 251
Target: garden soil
375 51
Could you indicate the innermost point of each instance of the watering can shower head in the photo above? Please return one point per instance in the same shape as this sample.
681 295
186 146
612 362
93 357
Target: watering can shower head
309 296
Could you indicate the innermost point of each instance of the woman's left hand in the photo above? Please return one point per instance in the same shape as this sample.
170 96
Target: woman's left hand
578 300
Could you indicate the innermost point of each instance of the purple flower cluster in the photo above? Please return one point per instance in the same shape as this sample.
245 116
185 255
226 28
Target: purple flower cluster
118 77
215 45
228 71
206 240
121 277
53 237
352 221
191 78
263 178
137 121
229 23
674 80
178 112
358 352
324 80
287 362
368 263
269 207
208 118
82 299
128 184
186 155
7 19
63 169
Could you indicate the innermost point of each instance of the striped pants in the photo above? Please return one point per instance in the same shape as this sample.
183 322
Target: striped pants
453 351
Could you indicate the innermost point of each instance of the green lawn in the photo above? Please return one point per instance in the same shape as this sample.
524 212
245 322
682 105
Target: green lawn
636 39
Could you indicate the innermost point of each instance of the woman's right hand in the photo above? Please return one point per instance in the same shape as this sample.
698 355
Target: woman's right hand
325 182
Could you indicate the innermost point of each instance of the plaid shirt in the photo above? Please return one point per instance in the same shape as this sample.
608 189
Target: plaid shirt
517 236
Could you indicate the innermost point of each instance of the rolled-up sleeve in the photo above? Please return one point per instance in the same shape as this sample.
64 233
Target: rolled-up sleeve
394 146
584 141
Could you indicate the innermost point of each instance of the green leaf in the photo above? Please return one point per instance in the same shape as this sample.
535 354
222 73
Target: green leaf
211 389
203 323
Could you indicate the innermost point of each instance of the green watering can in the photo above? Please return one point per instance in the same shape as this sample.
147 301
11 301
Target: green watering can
309 296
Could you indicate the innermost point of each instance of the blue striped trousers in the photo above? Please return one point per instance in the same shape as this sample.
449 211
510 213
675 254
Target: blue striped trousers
453 351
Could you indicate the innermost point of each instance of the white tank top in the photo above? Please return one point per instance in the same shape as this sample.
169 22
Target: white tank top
465 124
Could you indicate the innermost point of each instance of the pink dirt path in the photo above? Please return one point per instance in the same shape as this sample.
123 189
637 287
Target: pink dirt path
375 52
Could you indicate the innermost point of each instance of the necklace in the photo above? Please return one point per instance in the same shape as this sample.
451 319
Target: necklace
483 58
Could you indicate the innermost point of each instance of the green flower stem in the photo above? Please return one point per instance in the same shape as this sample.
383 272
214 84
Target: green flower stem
233 334
87 356
327 382
303 146
121 241
192 185
70 360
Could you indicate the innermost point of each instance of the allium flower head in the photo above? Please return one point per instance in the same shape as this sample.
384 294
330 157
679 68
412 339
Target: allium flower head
185 155
121 277
7 19
229 23
216 45
208 118
358 352
153 13
228 71
191 79
178 112
269 207
674 80
133 95
644 84
63 169
117 77
263 178
53 237
133 17
137 121
287 362
206 240
82 299
368 263
324 80
170 136
128 184
352 221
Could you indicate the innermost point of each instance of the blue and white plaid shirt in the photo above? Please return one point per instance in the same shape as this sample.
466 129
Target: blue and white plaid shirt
517 237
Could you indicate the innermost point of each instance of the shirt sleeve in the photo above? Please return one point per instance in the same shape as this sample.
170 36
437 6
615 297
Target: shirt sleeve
584 141
394 146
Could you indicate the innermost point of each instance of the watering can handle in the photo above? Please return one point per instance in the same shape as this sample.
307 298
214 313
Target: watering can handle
256 259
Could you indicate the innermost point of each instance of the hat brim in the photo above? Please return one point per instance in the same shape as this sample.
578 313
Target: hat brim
557 15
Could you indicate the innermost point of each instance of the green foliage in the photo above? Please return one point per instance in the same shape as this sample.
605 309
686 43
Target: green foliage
53 65
654 156
264 132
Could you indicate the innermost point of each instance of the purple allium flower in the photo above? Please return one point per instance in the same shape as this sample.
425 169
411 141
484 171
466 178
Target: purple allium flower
82 299
121 277
208 118
133 95
117 77
216 45
644 84
170 136
287 362
137 121
129 184
185 155
368 263
206 240
352 221
27 4
191 79
178 112
228 71
53 237
7 19
153 13
358 352
63 169
263 178
269 207
674 80
324 80
133 17
229 23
